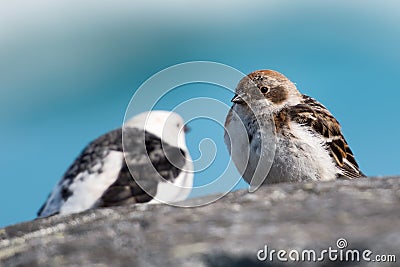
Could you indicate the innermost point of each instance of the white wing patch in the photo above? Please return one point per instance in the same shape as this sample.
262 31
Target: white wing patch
88 188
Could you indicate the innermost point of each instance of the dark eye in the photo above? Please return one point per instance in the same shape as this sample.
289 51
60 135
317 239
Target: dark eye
264 90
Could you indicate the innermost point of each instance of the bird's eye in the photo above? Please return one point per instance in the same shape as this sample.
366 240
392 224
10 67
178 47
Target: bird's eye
264 90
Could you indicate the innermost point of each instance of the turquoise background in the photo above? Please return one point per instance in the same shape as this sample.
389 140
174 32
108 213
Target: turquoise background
69 68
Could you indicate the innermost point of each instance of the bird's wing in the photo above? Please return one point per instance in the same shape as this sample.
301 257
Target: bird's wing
313 114
148 162
100 175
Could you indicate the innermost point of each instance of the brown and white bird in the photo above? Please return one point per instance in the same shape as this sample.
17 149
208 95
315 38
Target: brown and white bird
276 134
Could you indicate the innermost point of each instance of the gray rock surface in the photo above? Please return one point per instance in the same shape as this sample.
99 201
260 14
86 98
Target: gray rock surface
228 232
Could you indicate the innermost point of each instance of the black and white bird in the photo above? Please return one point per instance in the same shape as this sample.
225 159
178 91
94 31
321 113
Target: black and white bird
145 161
302 140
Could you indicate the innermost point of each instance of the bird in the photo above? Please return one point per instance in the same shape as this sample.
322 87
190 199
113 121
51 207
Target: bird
276 134
144 161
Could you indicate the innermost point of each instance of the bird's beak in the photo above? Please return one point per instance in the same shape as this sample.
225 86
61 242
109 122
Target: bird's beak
186 128
237 99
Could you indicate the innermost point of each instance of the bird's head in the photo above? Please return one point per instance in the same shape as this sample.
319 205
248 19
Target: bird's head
266 87
167 125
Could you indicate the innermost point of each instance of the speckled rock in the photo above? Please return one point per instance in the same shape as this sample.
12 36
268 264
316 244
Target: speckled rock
229 232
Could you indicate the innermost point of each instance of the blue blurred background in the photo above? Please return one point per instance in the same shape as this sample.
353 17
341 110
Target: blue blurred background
69 68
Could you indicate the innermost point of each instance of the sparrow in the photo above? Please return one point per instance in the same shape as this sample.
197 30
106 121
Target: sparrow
276 134
145 161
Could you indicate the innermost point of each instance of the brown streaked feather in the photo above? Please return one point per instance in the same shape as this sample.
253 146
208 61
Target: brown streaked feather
313 114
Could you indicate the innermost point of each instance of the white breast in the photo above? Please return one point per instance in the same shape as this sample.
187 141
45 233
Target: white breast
237 141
